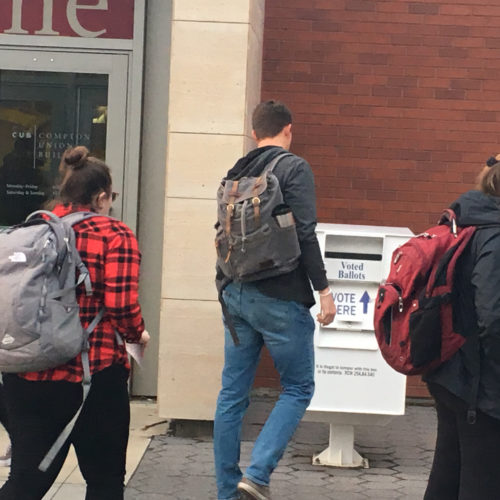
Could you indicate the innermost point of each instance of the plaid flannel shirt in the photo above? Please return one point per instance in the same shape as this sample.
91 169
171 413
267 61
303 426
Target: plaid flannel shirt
110 251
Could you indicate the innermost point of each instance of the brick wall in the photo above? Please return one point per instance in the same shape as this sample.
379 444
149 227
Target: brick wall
395 102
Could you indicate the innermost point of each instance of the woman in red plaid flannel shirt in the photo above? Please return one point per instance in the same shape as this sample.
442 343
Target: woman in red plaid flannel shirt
40 404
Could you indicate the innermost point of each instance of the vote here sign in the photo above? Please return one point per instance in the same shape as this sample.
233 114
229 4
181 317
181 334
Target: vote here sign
354 302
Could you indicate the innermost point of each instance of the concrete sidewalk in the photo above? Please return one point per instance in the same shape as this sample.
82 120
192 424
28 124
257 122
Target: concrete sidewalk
400 456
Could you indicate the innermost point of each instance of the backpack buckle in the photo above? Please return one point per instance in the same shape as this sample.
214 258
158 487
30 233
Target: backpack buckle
229 215
256 209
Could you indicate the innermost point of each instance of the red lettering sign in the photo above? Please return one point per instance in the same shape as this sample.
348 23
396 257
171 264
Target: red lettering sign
77 18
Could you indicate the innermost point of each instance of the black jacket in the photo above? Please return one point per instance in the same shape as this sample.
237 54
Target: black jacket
297 186
477 308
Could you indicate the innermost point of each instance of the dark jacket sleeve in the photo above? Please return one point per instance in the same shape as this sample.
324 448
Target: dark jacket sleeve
486 286
297 185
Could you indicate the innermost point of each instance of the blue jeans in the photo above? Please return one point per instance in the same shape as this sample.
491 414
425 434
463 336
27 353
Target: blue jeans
287 330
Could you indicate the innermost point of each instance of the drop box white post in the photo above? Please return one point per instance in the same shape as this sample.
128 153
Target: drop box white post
354 385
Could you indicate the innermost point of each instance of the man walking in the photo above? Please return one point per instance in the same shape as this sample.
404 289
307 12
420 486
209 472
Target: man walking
273 312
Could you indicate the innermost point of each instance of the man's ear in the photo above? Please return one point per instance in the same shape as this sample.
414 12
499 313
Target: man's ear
254 136
288 129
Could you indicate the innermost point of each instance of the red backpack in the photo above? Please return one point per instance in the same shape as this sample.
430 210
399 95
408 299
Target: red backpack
413 310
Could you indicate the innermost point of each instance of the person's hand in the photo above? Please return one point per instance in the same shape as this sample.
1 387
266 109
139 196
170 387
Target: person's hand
328 309
144 338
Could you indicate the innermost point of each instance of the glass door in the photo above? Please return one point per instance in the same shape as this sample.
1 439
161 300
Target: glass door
50 101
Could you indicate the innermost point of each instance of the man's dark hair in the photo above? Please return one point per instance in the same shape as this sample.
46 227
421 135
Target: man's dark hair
269 118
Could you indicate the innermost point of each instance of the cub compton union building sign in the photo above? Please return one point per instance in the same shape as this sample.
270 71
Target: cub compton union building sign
75 18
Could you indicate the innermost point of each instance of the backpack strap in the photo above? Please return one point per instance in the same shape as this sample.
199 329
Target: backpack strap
83 277
52 216
270 166
86 384
76 217
230 206
57 228
227 314
63 237
256 204
449 217
63 244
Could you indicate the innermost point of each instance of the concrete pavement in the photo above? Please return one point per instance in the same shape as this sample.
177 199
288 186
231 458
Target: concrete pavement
400 456
161 466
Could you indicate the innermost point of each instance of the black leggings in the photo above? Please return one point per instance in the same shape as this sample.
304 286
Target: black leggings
466 461
4 420
38 411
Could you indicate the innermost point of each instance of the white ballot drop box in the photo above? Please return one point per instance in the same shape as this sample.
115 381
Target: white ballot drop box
354 385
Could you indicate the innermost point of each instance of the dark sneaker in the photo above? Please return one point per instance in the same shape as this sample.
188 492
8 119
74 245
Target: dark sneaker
253 491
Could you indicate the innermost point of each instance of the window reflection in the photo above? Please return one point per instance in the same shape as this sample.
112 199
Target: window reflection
41 115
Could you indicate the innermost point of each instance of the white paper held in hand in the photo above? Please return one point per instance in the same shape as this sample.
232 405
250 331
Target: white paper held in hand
137 352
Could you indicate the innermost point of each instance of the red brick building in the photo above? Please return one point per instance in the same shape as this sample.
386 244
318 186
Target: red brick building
395 104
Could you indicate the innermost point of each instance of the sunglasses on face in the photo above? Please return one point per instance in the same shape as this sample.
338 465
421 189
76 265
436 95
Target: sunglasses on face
114 195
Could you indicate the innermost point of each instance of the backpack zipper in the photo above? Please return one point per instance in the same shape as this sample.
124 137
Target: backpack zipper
400 296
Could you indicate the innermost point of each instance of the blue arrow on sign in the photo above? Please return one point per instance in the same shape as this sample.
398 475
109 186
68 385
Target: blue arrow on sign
365 299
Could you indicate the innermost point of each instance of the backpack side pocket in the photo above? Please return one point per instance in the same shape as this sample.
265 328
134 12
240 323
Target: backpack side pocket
426 332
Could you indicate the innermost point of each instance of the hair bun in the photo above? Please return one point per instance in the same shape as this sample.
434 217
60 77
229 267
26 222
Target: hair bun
76 157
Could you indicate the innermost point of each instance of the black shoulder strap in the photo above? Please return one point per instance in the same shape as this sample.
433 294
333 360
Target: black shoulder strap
227 315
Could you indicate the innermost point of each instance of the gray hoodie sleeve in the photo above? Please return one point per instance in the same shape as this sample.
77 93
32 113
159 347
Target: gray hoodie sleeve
297 185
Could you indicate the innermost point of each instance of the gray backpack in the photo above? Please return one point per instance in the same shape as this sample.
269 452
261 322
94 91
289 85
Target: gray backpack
256 236
40 324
